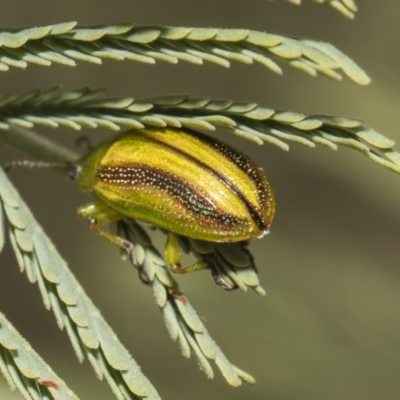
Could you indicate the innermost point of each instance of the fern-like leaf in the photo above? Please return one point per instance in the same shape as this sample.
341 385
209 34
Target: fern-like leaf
82 108
65 43
89 333
25 370
181 320
346 7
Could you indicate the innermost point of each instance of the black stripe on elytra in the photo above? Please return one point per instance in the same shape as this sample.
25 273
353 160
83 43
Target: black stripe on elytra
136 174
239 160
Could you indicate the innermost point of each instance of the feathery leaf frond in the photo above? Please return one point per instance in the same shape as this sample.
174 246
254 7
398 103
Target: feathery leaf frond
89 333
65 43
180 318
233 262
82 109
25 370
346 7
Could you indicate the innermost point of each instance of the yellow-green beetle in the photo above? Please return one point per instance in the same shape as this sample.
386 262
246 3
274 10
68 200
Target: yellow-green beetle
180 180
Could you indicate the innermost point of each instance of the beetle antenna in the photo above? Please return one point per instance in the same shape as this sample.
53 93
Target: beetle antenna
70 168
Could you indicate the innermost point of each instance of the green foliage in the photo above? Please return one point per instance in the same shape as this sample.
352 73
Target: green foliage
89 334
347 7
25 370
83 109
66 43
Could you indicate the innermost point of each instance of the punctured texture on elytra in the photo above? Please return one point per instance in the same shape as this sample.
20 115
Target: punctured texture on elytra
183 181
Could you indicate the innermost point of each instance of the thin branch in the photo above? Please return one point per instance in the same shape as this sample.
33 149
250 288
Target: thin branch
65 43
81 109
37 146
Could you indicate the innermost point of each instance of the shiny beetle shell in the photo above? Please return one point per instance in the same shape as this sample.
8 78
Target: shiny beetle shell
182 181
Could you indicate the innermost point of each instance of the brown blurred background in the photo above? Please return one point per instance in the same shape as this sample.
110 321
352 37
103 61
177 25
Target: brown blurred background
330 325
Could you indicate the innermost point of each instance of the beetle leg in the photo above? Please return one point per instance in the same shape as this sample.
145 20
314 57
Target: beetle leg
118 241
98 213
172 256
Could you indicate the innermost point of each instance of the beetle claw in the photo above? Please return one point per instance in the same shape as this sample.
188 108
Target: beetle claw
177 269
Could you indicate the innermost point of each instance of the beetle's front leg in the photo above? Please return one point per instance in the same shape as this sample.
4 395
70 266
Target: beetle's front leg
98 213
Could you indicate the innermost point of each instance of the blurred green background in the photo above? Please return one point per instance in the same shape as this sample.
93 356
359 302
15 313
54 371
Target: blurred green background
330 325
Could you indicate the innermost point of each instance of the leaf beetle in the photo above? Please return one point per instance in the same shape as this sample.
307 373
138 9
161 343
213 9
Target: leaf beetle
180 180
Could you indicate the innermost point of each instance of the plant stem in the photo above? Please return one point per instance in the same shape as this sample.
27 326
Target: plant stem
36 146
